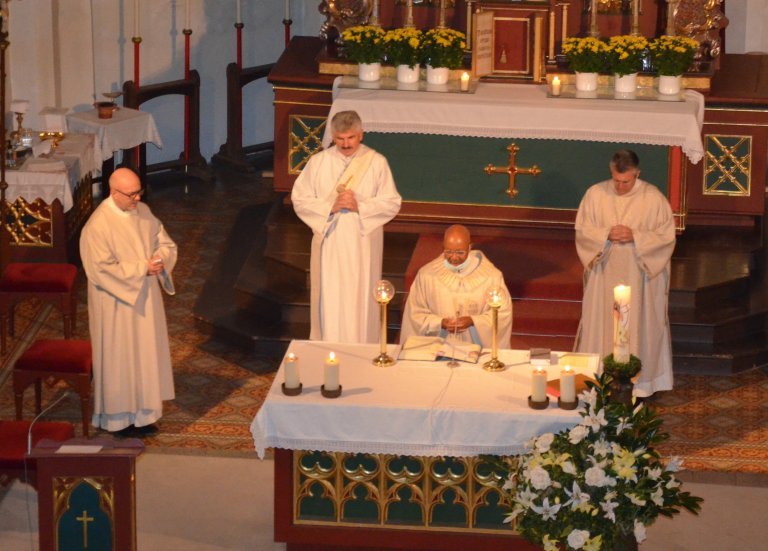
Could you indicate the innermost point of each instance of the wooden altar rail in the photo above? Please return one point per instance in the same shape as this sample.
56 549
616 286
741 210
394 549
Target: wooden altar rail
134 96
232 153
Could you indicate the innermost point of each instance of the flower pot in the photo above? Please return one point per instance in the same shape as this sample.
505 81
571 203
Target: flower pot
669 85
407 74
437 75
369 72
625 83
586 82
105 109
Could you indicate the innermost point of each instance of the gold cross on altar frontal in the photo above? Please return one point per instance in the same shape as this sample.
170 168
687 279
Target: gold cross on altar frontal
512 169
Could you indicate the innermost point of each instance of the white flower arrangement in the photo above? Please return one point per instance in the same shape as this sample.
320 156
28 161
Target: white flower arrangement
599 483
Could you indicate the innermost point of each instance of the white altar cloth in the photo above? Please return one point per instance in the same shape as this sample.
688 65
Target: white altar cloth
525 111
57 176
411 408
126 129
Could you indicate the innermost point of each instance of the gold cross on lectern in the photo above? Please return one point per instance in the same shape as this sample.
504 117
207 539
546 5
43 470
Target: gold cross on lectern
512 169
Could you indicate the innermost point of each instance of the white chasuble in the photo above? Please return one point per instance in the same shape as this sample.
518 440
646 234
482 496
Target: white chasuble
438 292
347 247
644 265
131 357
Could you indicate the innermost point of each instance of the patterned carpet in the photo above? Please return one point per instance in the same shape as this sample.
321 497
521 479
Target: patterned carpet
716 423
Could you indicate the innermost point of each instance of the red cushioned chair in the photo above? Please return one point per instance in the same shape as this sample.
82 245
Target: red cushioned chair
13 444
55 359
53 283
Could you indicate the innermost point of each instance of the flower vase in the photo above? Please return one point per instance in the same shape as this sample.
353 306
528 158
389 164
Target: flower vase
669 85
586 82
625 83
437 75
407 74
369 72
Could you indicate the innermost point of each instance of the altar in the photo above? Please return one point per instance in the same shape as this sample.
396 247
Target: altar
396 458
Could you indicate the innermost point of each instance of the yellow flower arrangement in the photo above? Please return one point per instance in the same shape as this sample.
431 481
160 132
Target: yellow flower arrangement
586 55
443 48
673 55
625 54
364 43
403 46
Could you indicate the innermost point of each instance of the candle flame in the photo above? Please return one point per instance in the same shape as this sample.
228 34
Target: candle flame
291 357
567 369
539 369
332 356
556 80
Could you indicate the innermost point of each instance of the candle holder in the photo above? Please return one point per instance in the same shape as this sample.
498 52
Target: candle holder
330 393
538 405
292 391
383 293
566 405
495 300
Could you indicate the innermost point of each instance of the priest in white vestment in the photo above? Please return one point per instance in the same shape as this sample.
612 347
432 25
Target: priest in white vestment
128 257
345 194
625 234
449 296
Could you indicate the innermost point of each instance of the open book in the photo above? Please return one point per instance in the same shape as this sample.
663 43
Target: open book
436 348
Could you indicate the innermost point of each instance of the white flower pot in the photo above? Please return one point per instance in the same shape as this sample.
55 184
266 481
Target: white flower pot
625 83
369 72
407 74
437 75
670 84
586 82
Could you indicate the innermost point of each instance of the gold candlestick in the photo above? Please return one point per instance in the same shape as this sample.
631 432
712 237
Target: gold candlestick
593 30
495 300
635 30
383 293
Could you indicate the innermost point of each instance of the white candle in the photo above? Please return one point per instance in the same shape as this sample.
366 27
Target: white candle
19 105
238 17
621 296
556 86
186 14
567 385
331 373
287 10
551 50
291 366
465 82
539 385
136 18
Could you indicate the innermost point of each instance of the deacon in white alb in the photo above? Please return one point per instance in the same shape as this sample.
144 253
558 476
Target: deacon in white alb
128 257
449 295
345 194
625 234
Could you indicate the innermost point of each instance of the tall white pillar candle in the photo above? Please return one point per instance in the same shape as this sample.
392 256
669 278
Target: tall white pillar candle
186 14
567 385
539 385
287 9
621 299
291 368
331 373
239 16
136 18
551 45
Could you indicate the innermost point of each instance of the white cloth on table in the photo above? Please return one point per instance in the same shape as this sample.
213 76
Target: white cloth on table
524 111
126 129
413 407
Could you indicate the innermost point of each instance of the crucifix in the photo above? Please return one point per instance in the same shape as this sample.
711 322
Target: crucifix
512 170
85 519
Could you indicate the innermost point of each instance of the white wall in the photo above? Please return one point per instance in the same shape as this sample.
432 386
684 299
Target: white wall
747 19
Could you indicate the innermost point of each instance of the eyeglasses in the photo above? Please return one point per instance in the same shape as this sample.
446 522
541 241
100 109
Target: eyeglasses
133 195
462 252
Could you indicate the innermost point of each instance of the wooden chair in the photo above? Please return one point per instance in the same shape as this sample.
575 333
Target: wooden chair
13 445
56 359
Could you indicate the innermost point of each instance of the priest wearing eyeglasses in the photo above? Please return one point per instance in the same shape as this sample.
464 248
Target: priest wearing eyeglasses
449 296
128 257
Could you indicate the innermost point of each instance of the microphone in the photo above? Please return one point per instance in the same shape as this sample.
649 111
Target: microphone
39 415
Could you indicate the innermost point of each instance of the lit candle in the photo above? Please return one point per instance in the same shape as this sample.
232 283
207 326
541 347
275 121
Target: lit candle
136 18
291 366
331 373
556 86
567 385
287 10
465 82
539 385
186 12
238 18
621 299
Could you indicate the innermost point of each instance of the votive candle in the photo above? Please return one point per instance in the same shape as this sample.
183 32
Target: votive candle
567 385
465 82
556 86
331 373
291 367
539 385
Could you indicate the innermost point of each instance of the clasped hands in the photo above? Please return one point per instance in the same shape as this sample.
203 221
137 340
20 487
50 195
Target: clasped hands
621 234
345 200
155 265
458 324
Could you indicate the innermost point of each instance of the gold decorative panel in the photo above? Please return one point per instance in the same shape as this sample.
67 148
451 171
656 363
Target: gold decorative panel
727 165
29 224
305 137
84 512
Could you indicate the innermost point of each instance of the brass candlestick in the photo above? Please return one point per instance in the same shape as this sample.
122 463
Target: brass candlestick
495 300
383 293
409 14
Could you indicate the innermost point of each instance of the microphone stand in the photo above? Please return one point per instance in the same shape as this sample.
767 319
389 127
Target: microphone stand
39 415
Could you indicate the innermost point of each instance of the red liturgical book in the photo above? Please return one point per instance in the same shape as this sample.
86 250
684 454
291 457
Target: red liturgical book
553 386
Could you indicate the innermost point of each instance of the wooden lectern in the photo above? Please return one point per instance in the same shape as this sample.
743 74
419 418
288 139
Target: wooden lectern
87 494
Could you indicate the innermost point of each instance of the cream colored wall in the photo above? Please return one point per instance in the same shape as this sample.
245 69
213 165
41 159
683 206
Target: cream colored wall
747 19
